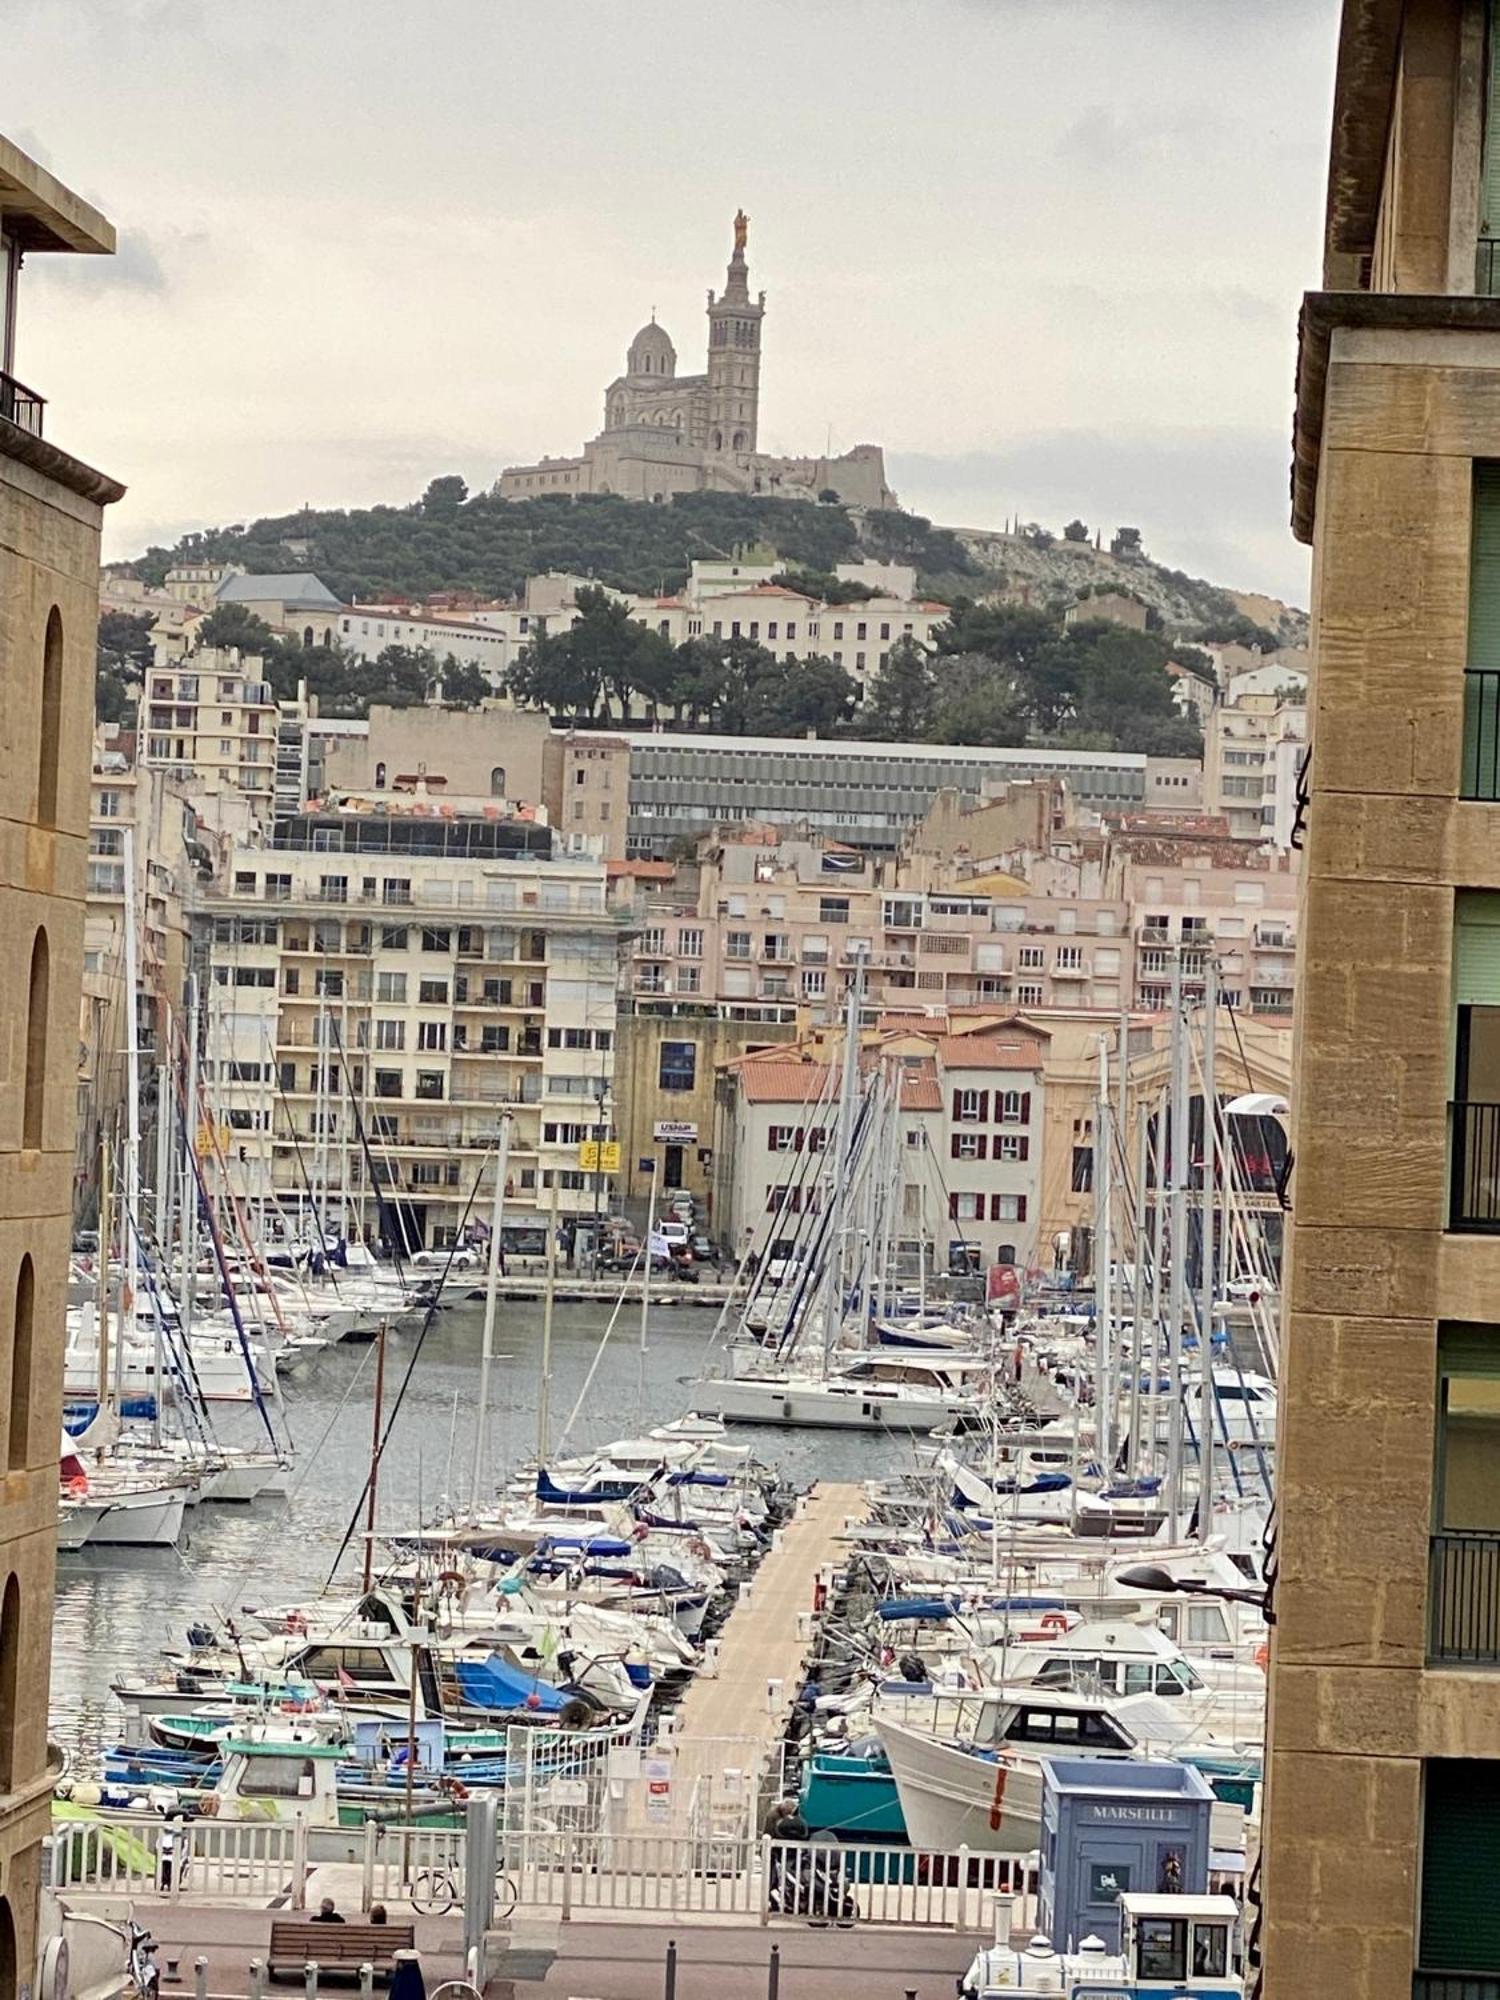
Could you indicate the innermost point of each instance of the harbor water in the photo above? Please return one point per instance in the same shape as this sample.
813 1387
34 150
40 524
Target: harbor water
118 1608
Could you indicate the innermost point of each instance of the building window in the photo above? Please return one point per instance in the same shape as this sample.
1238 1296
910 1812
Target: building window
968 1146
432 1036
432 992
22 1337
1458 1930
678 1066
497 781
1031 958
380 777
1012 1107
970 1107
690 944
1083 1169
10 1693
1007 1208
1028 996
390 1035
49 720
34 1096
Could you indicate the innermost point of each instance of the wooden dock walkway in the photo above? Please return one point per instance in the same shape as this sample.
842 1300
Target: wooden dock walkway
731 1717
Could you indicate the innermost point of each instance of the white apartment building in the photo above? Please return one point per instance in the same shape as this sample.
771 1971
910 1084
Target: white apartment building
211 719
385 984
972 1124
1253 744
366 630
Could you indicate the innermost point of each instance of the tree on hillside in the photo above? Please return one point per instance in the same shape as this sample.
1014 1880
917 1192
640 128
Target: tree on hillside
605 652
445 495
825 587
234 625
1121 689
1076 531
462 684
976 702
1023 642
124 642
900 706
791 697
114 701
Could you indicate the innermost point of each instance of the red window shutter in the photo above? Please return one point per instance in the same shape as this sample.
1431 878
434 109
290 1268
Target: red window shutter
984 1107
1025 1152
801 1134
1026 1107
1021 1209
983 1144
953 1153
958 1098
994 1208
953 1208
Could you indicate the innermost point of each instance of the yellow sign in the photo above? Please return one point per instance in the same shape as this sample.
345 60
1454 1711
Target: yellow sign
209 1141
599 1156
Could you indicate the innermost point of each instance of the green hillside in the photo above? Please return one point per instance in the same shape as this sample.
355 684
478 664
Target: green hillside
491 546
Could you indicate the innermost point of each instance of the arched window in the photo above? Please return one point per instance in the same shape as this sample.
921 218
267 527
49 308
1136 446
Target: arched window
1006 1254
34 1097
50 720
18 1442
9 1982
380 777
497 782
10 1662
718 440
739 440
307 635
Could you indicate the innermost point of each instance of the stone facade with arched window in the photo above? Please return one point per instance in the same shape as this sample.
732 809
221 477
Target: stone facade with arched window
51 510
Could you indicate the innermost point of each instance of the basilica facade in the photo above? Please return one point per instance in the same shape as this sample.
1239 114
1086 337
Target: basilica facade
666 433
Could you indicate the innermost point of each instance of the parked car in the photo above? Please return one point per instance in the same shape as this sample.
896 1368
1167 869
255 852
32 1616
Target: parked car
704 1248
675 1231
683 1207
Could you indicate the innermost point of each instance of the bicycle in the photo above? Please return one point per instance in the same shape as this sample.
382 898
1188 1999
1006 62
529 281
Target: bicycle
435 1891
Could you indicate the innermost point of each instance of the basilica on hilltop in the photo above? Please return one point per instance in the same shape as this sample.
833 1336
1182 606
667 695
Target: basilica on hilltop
666 433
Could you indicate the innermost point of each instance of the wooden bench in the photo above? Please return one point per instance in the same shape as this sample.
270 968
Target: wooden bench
336 1947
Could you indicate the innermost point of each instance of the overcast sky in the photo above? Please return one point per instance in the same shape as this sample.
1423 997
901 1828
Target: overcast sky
1047 252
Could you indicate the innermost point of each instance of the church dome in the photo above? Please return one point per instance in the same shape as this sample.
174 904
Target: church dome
652 352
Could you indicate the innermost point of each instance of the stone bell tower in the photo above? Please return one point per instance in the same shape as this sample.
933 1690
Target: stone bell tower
734 356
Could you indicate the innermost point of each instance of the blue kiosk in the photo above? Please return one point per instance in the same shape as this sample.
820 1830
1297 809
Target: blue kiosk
1111 1829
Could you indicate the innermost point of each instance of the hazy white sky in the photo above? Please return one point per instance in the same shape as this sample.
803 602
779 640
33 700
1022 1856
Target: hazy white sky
1048 252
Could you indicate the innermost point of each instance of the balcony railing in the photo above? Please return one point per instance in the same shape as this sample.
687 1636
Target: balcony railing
1487 267
1474 1186
1463 1599
1455 1986
1480 775
21 406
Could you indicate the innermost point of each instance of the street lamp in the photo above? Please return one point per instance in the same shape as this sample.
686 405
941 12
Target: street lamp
1161 1583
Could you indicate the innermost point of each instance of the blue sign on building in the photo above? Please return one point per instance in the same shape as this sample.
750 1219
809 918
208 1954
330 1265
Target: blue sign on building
1111 1829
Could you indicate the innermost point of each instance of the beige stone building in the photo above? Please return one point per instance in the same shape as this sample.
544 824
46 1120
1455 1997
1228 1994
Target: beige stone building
51 509
1381 1830
387 980
493 752
666 433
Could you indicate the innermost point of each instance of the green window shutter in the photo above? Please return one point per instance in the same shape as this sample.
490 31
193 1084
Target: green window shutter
1460 1914
1476 950
1484 568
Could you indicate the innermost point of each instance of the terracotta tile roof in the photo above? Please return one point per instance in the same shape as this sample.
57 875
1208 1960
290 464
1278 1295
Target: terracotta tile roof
649 871
767 1080
981 1052
921 1092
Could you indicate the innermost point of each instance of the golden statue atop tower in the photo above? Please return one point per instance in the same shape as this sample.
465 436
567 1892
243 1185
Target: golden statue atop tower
741 231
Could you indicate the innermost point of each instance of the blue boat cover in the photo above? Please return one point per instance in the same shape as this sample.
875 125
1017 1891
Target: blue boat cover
586 1496
698 1479
589 1545
495 1683
915 1607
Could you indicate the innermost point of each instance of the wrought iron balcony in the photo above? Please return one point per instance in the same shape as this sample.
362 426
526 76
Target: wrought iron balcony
21 406
1455 1986
1480 776
1463 1601
1474 1180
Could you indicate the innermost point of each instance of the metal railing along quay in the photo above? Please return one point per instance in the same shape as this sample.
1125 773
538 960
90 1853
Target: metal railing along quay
1463 1599
573 1875
1474 1179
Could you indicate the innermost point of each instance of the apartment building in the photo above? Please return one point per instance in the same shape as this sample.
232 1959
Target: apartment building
386 982
51 510
494 752
128 798
1381 1829
866 794
1253 745
366 630
211 719
973 1112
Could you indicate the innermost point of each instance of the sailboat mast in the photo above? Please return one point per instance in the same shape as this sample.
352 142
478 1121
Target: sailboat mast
190 1179
549 1300
492 1280
646 1268
833 1295
1177 1224
1103 1165
375 1460
1138 1343
1208 1411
